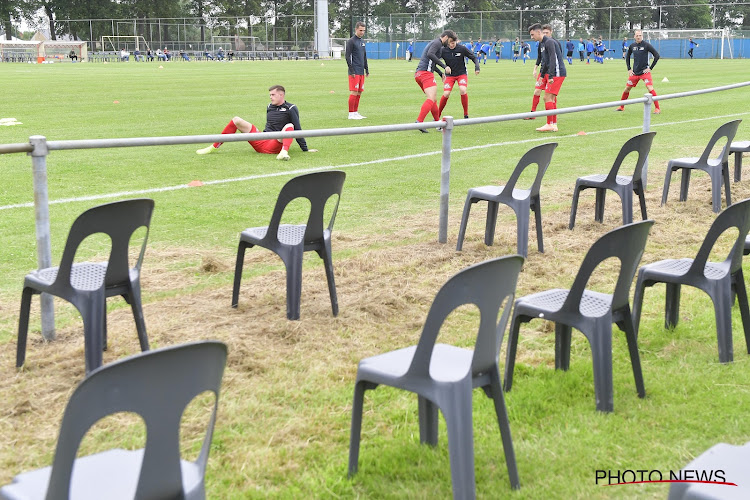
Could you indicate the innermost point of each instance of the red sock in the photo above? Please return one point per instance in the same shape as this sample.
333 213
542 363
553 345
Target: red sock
548 106
231 128
286 143
534 103
624 96
426 108
465 103
656 103
352 103
434 111
443 102
356 102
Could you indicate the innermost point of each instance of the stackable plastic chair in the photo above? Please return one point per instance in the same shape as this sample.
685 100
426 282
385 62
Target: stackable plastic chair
738 148
716 168
590 312
156 385
623 185
87 284
291 241
522 201
443 376
718 279
722 463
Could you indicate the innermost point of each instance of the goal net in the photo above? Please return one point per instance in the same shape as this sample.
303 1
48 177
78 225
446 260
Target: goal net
129 43
19 51
235 43
61 50
708 43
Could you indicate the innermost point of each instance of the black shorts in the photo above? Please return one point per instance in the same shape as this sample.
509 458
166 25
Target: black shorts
570 53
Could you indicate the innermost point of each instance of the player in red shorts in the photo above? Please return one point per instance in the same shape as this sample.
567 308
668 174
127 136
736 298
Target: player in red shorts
429 63
641 69
280 116
455 56
540 78
356 60
554 68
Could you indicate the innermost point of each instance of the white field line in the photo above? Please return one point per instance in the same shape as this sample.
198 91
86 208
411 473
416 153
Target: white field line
542 138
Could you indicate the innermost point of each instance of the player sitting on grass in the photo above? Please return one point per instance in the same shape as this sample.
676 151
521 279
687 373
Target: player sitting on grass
280 116
641 69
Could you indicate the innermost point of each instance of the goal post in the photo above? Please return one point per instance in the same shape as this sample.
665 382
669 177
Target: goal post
713 43
130 43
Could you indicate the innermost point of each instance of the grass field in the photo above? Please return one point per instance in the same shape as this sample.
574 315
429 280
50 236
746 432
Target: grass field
283 426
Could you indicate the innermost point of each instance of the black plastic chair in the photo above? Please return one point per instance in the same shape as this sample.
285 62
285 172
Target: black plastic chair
590 312
291 241
522 201
443 376
87 284
738 148
729 461
720 280
156 385
716 168
623 185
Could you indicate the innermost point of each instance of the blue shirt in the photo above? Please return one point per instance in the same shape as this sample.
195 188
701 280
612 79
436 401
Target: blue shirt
569 46
581 47
485 48
589 47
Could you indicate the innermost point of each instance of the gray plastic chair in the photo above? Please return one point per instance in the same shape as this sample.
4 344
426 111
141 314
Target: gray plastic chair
623 185
738 148
718 279
731 460
590 312
716 168
291 241
88 284
522 201
156 385
443 376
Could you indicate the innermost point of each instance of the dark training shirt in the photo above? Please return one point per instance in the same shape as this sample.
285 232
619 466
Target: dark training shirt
278 116
640 53
455 59
430 60
356 56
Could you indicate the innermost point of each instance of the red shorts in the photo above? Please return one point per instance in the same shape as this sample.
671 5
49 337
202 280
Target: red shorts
425 79
357 83
633 80
450 81
553 84
266 146
541 82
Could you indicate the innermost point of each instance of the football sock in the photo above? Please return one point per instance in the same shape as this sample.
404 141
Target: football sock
548 106
443 102
231 128
465 103
356 102
426 107
535 103
656 103
352 103
286 143
624 96
434 111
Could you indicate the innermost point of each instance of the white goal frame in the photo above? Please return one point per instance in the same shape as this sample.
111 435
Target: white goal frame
114 41
723 34
235 42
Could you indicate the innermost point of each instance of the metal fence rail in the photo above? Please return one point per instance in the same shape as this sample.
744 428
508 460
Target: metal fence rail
38 148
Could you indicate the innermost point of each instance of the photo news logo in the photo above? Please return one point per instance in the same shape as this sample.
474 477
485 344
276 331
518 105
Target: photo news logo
639 476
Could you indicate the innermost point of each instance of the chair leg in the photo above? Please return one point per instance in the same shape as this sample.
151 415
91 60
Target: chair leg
428 421
92 311
510 356
23 326
104 327
238 273
522 232
640 288
684 184
458 418
356 430
140 322
626 197
502 420
737 166
601 350
489 229
723 312
574 207
725 180
715 190
327 256
626 325
744 309
601 195
293 263
665 189
563 335
638 188
536 206
464 222
672 306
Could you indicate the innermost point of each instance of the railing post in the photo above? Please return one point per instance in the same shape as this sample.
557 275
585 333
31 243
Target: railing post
445 178
646 128
41 216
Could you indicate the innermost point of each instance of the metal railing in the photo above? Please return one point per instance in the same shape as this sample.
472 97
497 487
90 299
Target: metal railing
39 148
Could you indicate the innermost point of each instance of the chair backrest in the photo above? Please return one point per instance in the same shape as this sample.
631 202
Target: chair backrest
317 187
118 220
541 156
728 131
626 243
640 144
157 385
486 285
734 216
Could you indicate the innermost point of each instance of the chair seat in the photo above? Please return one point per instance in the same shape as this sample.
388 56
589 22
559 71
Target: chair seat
490 192
83 276
729 458
691 162
599 178
593 304
680 267
112 474
454 363
740 147
288 234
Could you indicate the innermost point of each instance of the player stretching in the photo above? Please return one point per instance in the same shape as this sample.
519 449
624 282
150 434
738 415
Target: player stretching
553 67
539 80
425 78
693 45
280 116
454 56
641 69
356 60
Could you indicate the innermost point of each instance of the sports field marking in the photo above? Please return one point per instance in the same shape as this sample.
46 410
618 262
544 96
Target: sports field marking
540 138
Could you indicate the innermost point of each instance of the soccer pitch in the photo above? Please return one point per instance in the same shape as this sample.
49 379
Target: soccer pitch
283 425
